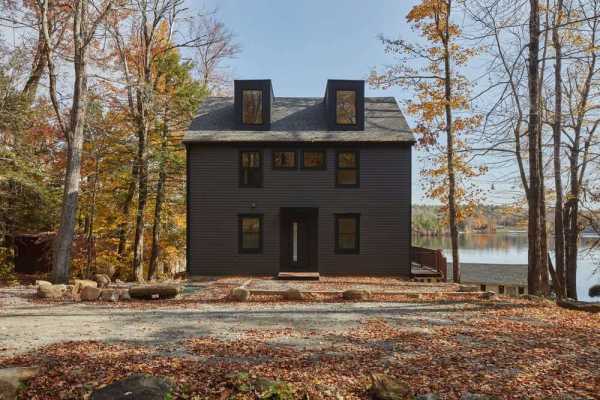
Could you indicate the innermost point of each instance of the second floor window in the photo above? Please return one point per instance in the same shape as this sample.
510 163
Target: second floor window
252 112
250 169
313 159
346 173
284 159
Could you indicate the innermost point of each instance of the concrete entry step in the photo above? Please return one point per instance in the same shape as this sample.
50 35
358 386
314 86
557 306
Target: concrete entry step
299 276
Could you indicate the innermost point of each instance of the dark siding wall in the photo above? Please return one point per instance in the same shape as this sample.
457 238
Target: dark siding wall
383 200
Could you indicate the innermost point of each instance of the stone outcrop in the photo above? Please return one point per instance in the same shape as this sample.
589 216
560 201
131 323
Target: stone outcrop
51 291
109 295
137 386
240 294
152 292
89 293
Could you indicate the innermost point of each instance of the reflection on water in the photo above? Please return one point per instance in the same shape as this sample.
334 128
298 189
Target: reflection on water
511 248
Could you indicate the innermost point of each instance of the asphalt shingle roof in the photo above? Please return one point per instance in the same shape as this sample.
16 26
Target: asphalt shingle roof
299 119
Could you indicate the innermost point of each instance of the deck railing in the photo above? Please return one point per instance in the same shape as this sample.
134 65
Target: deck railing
430 258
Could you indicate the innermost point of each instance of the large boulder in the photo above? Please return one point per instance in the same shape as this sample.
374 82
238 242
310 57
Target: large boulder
137 386
40 282
293 294
79 284
90 293
12 378
384 387
468 288
109 295
356 294
151 292
51 291
102 280
240 294
124 294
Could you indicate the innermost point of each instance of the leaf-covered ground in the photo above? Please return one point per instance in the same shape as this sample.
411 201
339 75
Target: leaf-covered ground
508 348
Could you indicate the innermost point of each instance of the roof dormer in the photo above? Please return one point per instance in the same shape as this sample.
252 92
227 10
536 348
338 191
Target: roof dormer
253 100
345 105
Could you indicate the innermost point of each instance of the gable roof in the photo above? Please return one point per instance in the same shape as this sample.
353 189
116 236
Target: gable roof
299 119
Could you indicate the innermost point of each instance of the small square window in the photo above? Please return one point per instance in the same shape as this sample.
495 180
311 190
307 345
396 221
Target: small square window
250 231
347 169
250 169
313 159
483 288
521 290
347 233
500 289
345 105
285 159
252 110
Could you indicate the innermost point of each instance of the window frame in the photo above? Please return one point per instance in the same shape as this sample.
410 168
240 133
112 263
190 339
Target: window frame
241 249
266 88
338 168
295 167
323 151
241 183
356 249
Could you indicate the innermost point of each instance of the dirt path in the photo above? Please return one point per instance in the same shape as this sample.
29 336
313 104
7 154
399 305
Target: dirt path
25 325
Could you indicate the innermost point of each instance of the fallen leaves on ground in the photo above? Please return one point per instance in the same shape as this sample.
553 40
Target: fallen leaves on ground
511 349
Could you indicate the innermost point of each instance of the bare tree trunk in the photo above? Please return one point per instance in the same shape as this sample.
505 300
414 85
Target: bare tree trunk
39 65
160 198
534 276
66 231
124 226
559 229
142 160
452 206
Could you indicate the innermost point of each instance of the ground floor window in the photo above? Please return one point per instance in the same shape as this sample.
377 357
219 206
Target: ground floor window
250 233
483 288
521 290
347 233
500 289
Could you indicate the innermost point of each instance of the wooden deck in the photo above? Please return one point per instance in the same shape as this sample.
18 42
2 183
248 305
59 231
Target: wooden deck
299 276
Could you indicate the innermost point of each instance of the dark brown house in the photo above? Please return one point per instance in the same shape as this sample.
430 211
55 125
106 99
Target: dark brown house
289 184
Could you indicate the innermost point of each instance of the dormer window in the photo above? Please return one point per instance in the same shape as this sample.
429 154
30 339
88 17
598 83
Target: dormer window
345 105
253 99
252 107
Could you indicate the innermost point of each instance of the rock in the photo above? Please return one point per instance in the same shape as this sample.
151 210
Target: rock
109 295
356 294
594 291
428 396
468 288
489 295
240 294
38 283
475 396
137 386
124 294
384 387
293 294
89 293
79 284
119 282
103 280
152 292
579 305
12 378
51 291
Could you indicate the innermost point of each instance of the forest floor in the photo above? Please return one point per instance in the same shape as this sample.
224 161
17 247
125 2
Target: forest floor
506 348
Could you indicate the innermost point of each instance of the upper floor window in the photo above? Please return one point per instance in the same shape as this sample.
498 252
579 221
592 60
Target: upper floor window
284 159
347 172
252 111
313 159
345 107
250 168
250 233
347 233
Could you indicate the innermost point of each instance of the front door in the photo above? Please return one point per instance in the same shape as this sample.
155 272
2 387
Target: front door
299 240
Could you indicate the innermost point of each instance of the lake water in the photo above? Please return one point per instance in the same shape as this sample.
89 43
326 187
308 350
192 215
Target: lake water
511 248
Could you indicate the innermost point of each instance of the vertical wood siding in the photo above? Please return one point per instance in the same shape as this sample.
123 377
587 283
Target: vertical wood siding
383 200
